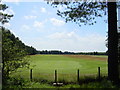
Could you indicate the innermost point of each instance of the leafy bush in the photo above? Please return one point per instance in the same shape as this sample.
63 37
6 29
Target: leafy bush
13 54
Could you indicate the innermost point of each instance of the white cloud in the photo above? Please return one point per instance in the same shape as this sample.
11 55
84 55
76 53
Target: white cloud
57 22
69 41
25 27
12 0
23 1
73 42
9 11
43 10
63 35
38 24
7 25
30 17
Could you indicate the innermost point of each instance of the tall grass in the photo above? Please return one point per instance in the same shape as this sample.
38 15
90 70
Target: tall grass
87 82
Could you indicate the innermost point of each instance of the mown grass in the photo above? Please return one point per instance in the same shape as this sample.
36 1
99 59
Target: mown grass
44 65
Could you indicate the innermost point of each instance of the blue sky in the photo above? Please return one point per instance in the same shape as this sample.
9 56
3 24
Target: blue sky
38 25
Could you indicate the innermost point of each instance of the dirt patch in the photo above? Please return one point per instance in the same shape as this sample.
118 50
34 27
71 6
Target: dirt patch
87 57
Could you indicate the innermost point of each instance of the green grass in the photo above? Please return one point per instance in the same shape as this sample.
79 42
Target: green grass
44 66
104 56
28 84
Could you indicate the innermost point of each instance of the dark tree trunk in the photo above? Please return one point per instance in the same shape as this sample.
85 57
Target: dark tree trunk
113 74
119 53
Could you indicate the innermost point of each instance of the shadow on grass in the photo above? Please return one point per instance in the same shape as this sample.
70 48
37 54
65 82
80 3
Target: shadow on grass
86 82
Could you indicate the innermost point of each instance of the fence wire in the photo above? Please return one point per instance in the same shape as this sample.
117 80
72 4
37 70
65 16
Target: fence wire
62 75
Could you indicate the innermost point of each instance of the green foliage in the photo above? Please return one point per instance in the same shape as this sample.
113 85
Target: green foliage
81 12
102 84
13 53
30 50
19 83
4 18
13 50
15 83
72 53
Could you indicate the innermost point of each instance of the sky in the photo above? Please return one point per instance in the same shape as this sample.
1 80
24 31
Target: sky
37 24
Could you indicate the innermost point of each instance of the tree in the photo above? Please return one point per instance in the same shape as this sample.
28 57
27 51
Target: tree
119 52
13 54
4 18
13 50
113 73
81 13
30 50
85 13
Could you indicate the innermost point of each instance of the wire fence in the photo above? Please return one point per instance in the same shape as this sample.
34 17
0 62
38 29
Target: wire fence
58 75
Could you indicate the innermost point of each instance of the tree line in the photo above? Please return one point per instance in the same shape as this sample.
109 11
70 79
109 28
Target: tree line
73 53
29 50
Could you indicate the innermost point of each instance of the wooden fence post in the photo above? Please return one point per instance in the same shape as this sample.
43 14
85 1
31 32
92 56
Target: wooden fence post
78 75
31 74
99 73
55 76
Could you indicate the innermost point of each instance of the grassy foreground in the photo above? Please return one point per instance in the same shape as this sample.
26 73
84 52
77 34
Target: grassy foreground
66 65
21 83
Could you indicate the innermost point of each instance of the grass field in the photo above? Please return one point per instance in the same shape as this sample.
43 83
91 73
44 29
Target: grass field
66 65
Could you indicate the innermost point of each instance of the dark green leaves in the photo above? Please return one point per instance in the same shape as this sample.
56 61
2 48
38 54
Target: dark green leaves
81 12
13 53
4 18
3 7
